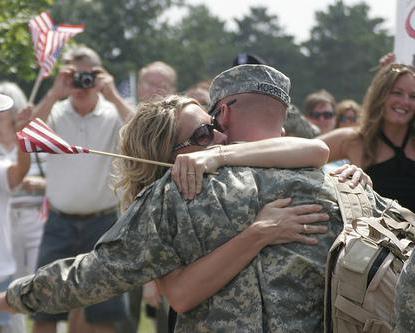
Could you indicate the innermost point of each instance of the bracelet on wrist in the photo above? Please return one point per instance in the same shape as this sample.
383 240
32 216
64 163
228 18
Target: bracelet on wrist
222 156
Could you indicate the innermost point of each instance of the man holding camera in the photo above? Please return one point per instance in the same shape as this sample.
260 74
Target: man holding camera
84 108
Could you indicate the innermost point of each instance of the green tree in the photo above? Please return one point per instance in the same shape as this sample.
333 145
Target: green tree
122 32
344 45
261 33
199 46
17 60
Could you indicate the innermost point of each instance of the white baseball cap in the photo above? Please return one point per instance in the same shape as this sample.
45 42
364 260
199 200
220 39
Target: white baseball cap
6 103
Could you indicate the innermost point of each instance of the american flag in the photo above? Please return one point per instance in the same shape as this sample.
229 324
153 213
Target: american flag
39 137
49 39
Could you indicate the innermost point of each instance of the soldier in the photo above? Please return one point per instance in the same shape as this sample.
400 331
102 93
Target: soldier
280 290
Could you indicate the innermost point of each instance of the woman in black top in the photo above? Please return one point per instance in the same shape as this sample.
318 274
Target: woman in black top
384 144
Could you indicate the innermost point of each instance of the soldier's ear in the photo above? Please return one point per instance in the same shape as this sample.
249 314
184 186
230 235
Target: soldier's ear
226 115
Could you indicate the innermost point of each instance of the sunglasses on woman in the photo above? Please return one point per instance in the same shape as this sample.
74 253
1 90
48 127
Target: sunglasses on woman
202 136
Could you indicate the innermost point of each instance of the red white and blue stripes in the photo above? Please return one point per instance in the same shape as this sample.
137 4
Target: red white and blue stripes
39 137
48 40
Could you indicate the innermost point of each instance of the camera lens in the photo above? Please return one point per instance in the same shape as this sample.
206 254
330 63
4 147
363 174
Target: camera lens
84 80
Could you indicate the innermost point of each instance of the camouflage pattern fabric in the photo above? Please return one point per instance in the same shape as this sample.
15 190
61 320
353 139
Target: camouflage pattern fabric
405 298
282 289
241 79
297 125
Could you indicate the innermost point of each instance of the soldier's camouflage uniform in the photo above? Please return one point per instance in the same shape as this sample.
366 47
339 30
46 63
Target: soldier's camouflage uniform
405 299
298 125
280 291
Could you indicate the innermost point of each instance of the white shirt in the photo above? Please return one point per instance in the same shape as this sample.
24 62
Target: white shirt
7 263
20 196
80 184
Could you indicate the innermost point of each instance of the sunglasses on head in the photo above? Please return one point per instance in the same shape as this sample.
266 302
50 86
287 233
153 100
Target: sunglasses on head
399 68
325 115
202 136
216 113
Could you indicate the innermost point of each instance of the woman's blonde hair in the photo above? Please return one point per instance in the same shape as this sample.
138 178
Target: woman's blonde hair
150 134
374 108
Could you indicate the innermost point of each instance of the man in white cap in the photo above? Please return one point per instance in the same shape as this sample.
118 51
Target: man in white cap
11 175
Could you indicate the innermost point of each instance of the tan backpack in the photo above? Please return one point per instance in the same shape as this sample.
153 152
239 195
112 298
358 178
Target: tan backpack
365 262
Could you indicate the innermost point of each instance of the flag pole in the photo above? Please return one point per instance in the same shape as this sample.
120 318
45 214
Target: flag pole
36 86
130 158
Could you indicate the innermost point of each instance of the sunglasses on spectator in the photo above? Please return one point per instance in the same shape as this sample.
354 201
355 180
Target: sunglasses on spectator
202 136
347 119
325 114
216 113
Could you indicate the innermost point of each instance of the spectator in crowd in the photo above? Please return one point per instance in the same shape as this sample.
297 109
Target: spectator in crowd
319 110
84 108
26 201
151 262
347 113
12 171
384 144
405 300
199 92
156 80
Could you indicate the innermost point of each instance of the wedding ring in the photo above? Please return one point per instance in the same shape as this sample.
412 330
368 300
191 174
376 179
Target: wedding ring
305 227
191 173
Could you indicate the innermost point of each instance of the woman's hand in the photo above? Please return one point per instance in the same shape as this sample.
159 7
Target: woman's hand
188 170
353 174
4 306
279 223
387 59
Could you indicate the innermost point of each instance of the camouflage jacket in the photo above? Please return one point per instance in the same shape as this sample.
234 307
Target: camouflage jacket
405 298
282 290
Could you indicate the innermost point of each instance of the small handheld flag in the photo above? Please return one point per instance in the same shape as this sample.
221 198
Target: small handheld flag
37 136
48 41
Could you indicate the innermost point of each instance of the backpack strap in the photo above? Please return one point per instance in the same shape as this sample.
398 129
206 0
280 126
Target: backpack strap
353 202
371 322
388 239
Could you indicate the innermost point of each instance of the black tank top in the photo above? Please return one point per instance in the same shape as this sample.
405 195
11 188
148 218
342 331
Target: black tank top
395 178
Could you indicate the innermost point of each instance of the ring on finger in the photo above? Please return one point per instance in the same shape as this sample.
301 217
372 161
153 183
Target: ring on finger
305 227
191 173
